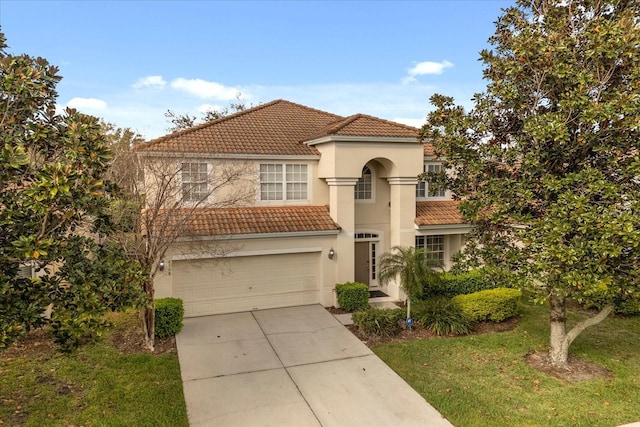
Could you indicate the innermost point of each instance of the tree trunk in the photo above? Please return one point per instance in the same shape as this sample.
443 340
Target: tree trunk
561 339
148 315
558 346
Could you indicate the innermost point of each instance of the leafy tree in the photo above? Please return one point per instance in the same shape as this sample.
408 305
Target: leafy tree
547 163
53 206
412 266
185 121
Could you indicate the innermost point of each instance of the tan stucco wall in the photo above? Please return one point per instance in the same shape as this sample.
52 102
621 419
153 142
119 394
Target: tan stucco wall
249 247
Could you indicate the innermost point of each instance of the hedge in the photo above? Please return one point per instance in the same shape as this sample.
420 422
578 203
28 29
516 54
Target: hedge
352 296
491 304
169 315
451 284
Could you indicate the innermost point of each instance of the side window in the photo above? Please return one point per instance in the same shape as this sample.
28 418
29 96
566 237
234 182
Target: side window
425 189
433 245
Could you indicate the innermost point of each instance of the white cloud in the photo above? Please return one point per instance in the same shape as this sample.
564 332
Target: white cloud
205 89
427 67
156 82
416 123
203 108
87 104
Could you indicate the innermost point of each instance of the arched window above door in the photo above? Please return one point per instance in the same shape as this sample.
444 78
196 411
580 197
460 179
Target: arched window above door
363 187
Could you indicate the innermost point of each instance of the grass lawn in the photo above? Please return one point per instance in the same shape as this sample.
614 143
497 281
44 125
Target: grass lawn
95 386
483 380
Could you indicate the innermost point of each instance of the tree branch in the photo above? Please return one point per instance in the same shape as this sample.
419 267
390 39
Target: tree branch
594 320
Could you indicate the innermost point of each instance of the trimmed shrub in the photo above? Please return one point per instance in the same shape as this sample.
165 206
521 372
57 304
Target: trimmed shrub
169 314
492 304
451 284
382 322
352 296
441 316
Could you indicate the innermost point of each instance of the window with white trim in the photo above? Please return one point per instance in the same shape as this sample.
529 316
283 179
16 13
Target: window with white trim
433 246
424 189
194 181
363 186
283 181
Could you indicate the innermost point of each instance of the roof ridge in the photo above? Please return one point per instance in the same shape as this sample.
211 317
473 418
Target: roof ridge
197 127
204 125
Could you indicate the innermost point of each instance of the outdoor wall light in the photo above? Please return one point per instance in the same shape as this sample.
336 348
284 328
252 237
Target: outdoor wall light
161 265
332 253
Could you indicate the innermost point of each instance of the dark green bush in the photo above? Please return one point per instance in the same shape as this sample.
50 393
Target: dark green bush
169 314
352 296
382 322
441 316
451 284
492 304
626 307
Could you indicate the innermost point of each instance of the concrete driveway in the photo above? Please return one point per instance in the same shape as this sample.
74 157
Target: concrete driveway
295 366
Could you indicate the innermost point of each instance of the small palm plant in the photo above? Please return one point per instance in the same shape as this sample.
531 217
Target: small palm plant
412 266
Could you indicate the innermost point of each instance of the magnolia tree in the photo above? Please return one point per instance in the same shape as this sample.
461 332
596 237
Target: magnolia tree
54 206
547 163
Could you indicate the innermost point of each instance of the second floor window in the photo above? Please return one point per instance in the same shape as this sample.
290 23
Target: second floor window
194 182
363 186
424 189
283 181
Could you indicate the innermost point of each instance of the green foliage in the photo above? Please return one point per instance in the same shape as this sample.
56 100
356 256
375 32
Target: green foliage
352 296
547 161
411 267
451 284
169 315
441 316
52 192
493 304
382 322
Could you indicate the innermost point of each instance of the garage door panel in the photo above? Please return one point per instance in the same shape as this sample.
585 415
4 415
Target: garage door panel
246 283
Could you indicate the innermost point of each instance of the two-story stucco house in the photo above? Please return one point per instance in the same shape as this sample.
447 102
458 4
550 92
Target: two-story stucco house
331 195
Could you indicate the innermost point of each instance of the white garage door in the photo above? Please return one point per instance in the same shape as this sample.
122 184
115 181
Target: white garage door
246 283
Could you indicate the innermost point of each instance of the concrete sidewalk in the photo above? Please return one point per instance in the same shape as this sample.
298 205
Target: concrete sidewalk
295 366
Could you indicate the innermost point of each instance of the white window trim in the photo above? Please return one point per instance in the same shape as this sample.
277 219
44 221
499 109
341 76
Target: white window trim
445 246
182 196
284 200
373 187
446 196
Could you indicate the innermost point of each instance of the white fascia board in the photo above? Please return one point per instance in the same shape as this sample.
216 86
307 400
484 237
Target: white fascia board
224 156
261 236
286 251
348 138
425 230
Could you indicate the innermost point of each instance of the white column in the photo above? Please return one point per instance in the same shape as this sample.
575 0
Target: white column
402 218
342 210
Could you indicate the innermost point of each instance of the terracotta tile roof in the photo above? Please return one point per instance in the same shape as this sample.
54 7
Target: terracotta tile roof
438 213
364 125
273 128
259 220
278 127
428 150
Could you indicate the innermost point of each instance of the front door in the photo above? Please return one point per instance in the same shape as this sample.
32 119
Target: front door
365 264
362 262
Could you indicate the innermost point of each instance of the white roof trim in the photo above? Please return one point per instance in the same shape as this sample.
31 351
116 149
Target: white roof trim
350 138
261 235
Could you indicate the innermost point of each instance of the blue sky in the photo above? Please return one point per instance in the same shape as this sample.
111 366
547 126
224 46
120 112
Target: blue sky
130 61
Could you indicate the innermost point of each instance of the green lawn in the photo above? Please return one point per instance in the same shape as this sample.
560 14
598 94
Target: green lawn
483 380
96 386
